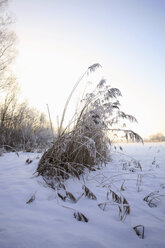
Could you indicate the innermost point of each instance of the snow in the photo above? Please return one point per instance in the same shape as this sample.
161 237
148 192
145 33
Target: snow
49 222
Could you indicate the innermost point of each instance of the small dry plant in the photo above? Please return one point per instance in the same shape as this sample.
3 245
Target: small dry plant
120 201
139 229
153 198
88 193
132 165
80 217
28 161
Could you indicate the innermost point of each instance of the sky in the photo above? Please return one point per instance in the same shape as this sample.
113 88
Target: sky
59 39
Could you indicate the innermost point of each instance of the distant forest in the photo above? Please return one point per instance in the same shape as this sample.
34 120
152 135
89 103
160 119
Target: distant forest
159 137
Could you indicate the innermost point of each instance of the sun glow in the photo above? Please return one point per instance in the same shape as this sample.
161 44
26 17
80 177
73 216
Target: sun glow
47 76
60 40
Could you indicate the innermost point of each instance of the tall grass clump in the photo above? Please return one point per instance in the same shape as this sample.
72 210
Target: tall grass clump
87 143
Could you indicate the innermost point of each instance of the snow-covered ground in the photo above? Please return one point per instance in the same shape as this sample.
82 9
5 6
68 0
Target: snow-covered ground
48 221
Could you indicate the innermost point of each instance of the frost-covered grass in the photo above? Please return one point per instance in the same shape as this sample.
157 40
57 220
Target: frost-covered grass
48 221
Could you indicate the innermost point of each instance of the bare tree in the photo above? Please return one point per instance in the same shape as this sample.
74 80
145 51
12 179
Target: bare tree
7 46
8 103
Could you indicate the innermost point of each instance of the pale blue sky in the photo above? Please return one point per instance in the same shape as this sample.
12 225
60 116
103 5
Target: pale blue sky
58 39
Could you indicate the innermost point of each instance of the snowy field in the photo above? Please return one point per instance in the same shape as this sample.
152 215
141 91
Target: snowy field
128 192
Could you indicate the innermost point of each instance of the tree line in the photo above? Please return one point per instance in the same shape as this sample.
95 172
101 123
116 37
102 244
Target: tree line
21 126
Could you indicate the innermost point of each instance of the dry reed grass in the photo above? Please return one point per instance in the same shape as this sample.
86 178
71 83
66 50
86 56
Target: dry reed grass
87 143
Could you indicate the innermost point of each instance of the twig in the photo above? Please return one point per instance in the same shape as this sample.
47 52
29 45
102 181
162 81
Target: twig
12 149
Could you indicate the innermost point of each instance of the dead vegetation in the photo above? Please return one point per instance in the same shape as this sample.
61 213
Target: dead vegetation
139 229
32 198
80 217
153 198
28 161
120 201
88 193
85 144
